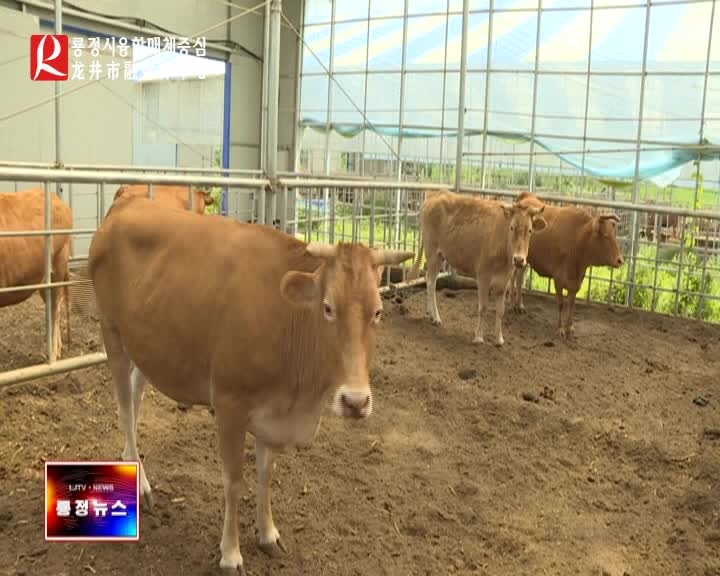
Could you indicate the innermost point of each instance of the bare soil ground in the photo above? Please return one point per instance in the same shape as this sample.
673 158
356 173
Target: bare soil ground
599 457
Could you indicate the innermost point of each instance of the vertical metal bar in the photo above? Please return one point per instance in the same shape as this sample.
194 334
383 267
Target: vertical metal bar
444 90
701 141
332 214
48 274
283 209
487 95
587 105
531 174
102 202
630 293
298 96
190 197
58 123
364 116
461 96
401 114
273 104
150 191
264 96
373 198
331 68
678 281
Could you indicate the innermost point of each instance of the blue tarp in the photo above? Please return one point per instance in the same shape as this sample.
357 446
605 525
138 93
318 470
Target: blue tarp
652 162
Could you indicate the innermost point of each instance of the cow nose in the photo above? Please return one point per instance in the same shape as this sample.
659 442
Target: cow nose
620 261
354 404
519 261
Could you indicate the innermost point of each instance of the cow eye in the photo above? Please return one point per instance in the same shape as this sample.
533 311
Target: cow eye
328 311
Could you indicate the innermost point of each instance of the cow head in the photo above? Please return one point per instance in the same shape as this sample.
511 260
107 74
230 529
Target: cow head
604 250
343 296
523 221
201 200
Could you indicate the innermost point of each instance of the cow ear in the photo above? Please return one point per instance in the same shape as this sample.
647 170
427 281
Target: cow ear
299 288
508 210
538 224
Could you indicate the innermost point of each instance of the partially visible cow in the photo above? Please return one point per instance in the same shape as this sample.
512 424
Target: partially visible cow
178 196
667 226
273 326
573 241
481 238
22 258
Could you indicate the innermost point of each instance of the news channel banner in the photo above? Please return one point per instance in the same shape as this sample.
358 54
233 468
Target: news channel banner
92 501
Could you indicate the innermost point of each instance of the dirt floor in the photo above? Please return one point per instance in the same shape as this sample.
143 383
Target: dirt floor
599 457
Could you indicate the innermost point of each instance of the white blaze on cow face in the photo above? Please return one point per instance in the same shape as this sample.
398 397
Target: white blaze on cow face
523 222
343 294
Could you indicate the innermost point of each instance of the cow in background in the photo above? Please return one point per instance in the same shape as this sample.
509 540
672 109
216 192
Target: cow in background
177 196
573 241
480 238
22 258
274 326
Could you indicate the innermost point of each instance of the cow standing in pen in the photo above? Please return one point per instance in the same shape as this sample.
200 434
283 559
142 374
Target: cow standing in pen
22 258
480 238
573 241
177 196
261 327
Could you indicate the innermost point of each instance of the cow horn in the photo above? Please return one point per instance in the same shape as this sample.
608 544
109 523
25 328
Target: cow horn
609 217
380 256
321 250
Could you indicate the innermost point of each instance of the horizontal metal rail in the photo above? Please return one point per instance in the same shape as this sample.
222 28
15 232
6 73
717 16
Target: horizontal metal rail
28 373
131 168
52 232
596 202
25 287
99 176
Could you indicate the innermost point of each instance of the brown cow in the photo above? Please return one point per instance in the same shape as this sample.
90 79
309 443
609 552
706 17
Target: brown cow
573 241
481 238
170 195
274 325
23 257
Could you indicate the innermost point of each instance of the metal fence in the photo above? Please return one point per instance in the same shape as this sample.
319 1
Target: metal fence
672 255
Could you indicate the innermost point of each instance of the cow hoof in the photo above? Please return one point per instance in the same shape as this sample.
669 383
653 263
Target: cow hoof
233 562
520 310
478 340
500 342
436 322
148 501
274 549
561 332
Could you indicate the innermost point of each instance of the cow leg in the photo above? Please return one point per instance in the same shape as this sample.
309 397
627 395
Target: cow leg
518 280
138 382
268 535
56 349
231 436
434 263
559 296
499 313
569 328
121 368
483 287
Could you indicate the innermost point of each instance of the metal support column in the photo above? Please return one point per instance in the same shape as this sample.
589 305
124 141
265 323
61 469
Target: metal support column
273 104
636 182
461 96
531 172
401 123
48 274
58 149
487 95
264 97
